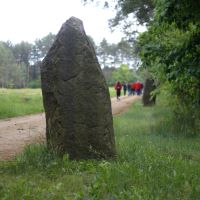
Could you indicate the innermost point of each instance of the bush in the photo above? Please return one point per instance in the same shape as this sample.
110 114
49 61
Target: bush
35 84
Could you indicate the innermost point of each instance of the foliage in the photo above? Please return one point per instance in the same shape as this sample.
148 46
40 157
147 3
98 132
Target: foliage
20 63
42 46
107 72
92 42
142 9
35 84
125 51
170 50
151 164
112 91
112 55
124 74
182 12
22 52
6 62
11 73
103 51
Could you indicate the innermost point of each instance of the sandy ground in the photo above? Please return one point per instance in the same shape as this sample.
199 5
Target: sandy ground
16 133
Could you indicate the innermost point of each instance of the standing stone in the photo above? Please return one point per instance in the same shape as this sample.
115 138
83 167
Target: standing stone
147 98
76 98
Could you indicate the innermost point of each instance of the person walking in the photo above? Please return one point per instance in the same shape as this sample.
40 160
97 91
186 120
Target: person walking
133 88
129 89
124 88
118 87
137 87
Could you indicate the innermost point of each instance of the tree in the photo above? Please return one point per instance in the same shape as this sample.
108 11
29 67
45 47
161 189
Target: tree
129 14
20 63
39 51
42 46
142 9
6 63
125 51
124 74
92 42
11 73
107 72
102 52
22 52
170 50
113 54
17 76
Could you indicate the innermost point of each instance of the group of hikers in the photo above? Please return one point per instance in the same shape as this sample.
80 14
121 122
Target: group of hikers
131 88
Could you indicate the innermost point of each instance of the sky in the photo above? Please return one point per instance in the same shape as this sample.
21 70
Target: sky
28 20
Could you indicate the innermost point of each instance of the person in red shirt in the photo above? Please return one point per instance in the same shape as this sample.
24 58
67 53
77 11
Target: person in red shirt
133 88
118 87
137 86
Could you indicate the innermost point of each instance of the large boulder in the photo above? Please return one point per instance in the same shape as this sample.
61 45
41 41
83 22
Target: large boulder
76 98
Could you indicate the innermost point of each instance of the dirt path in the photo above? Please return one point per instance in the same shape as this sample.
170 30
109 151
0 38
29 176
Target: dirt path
17 132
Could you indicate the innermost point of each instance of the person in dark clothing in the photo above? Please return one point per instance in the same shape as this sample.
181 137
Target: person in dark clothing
118 87
129 89
124 88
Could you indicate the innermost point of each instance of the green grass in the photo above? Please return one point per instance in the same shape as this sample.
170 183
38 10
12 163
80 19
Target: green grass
112 92
153 163
17 102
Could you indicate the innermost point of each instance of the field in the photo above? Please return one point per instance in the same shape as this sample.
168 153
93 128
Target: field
154 162
18 102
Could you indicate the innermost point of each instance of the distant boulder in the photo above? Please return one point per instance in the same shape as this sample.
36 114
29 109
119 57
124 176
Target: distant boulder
148 99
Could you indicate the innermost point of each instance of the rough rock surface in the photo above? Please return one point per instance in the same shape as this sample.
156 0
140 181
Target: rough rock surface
76 98
148 99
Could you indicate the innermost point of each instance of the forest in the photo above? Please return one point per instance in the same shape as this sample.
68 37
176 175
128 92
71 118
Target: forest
20 63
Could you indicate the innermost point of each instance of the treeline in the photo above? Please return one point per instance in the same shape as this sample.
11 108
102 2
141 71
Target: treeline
20 63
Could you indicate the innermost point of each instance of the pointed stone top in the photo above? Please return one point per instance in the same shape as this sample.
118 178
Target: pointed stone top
74 22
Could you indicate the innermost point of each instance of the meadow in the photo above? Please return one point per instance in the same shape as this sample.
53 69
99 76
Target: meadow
18 102
154 161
